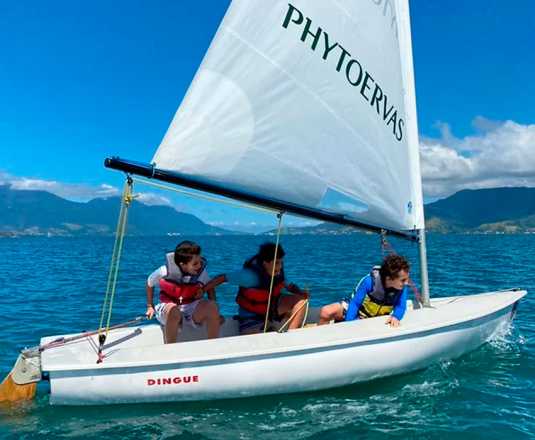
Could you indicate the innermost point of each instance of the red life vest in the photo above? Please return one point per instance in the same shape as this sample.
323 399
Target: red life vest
171 291
255 299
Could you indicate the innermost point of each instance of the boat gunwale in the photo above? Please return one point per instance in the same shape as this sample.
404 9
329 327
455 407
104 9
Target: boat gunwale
295 350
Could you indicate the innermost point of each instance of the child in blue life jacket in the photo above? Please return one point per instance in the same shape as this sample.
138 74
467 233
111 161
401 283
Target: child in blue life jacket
180 281
382 292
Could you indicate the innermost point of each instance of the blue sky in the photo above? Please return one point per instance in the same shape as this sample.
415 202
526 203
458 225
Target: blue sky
82 81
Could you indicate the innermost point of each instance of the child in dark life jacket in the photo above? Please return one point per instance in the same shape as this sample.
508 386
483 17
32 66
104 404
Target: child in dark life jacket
382 292
180 281
254 280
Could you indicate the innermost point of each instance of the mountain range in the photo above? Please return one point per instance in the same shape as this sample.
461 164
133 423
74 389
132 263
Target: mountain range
28 212
507 210
487 211
25 212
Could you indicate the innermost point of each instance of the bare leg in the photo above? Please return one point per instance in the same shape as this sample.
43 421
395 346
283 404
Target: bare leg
173 320
208 312
330 312
290 304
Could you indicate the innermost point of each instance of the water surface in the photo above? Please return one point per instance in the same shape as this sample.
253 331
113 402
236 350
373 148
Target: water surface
56 285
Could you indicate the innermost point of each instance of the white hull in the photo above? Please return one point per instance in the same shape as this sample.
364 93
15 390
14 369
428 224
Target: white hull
143 369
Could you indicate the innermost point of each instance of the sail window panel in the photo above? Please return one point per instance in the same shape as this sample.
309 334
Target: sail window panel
335 201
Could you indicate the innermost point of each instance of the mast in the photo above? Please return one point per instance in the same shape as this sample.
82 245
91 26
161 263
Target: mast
424 278
405 50
147 170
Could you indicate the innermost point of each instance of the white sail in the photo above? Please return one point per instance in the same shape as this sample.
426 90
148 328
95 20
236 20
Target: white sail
308 102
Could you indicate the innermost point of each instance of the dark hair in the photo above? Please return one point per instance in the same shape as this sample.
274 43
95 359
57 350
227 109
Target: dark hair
392 266
185 251
266 252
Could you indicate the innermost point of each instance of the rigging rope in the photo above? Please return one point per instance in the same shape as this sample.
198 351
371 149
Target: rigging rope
126 200
386 247
204 196
279 216
305 303
65 340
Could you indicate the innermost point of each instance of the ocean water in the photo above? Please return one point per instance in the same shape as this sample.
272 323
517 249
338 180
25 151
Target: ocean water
56 285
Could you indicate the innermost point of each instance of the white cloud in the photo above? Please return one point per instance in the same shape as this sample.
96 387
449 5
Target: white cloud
152 199
68 191
78 192
501 154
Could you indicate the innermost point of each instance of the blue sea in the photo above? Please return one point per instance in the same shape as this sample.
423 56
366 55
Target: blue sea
56 285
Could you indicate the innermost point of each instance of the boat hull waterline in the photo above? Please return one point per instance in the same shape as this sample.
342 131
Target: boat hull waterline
303 360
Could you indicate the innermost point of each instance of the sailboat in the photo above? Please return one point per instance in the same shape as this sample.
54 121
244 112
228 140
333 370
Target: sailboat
306 108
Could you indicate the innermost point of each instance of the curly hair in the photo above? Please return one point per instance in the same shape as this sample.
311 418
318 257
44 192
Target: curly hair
392 266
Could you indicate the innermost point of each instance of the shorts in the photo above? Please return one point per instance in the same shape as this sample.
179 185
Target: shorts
251 325
345 305
187 310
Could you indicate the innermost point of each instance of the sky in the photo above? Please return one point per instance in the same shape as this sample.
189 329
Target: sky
81 81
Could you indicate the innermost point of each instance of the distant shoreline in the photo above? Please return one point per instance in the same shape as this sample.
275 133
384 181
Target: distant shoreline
18 234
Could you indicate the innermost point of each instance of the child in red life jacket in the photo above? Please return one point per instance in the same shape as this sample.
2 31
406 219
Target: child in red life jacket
181 280
254 281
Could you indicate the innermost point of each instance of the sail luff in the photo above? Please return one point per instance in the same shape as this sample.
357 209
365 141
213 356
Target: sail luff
406 60
405 42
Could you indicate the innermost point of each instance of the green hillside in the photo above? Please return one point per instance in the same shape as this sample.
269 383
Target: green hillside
41 213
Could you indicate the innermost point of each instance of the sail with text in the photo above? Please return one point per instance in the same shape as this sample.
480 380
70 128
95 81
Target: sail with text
307 102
